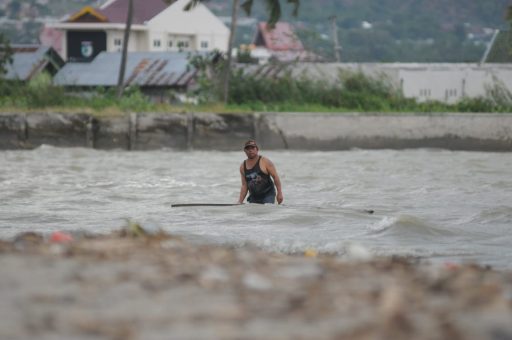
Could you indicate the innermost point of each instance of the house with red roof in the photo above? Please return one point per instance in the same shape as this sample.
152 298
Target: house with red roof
157 26
279 42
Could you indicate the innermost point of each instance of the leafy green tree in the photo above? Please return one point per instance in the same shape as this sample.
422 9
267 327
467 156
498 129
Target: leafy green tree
13 9
5 53
274 13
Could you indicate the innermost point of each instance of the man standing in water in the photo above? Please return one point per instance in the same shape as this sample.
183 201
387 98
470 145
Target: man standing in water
257 173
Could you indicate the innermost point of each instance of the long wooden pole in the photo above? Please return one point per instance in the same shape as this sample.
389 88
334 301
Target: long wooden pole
203 205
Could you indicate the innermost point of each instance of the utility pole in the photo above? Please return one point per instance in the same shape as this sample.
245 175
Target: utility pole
489 47
124 54
337 47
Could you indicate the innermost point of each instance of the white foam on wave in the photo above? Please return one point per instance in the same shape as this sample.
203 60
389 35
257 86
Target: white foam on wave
407 224
349 250
385 223
44 147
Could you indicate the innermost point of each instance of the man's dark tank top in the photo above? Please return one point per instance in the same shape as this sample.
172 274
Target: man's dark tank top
258 182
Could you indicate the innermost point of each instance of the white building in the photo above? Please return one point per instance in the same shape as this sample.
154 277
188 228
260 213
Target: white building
156 26
444 82
448 83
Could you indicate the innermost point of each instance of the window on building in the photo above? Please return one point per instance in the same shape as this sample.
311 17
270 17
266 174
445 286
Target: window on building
183 44
156 43
118 42
425 93
204 44
170 43
451 92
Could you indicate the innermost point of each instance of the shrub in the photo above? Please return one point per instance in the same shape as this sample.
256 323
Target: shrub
40 92
353 92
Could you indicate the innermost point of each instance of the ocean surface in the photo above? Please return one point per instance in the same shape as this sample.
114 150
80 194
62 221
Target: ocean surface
437 205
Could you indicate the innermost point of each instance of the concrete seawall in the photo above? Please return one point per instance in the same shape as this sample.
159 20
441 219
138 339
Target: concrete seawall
295 131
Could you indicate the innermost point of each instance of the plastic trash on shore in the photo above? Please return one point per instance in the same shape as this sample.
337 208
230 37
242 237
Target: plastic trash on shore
60 237
135 229
310 253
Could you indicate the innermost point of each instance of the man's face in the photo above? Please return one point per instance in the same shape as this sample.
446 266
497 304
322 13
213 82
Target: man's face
251 151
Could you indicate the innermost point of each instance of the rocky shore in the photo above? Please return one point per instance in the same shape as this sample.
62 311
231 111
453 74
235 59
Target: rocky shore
129 285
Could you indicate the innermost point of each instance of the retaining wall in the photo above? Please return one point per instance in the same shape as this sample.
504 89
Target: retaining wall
297 131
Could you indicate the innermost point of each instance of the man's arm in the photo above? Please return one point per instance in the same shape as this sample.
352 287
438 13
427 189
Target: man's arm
277 181
243 189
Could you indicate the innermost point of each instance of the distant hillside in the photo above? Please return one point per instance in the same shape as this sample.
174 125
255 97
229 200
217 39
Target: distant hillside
19 9
369 30
21 20
398 30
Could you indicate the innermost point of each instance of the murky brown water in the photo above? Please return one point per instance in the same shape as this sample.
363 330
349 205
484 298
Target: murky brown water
439 205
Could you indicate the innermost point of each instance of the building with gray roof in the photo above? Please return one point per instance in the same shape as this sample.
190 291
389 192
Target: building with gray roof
155 73
30 60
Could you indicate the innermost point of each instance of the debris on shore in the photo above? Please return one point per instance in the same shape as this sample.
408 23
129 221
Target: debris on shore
135 285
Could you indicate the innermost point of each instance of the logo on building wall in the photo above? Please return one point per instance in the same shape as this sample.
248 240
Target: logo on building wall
87 49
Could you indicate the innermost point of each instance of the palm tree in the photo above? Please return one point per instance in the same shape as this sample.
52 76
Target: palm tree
122 67
274 13
273 8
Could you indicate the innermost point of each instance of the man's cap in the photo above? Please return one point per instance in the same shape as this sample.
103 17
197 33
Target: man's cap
250 142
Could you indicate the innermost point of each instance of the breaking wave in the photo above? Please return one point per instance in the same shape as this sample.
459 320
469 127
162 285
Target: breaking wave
407 225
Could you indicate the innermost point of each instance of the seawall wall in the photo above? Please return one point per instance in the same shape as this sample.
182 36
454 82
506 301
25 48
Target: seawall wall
295 131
